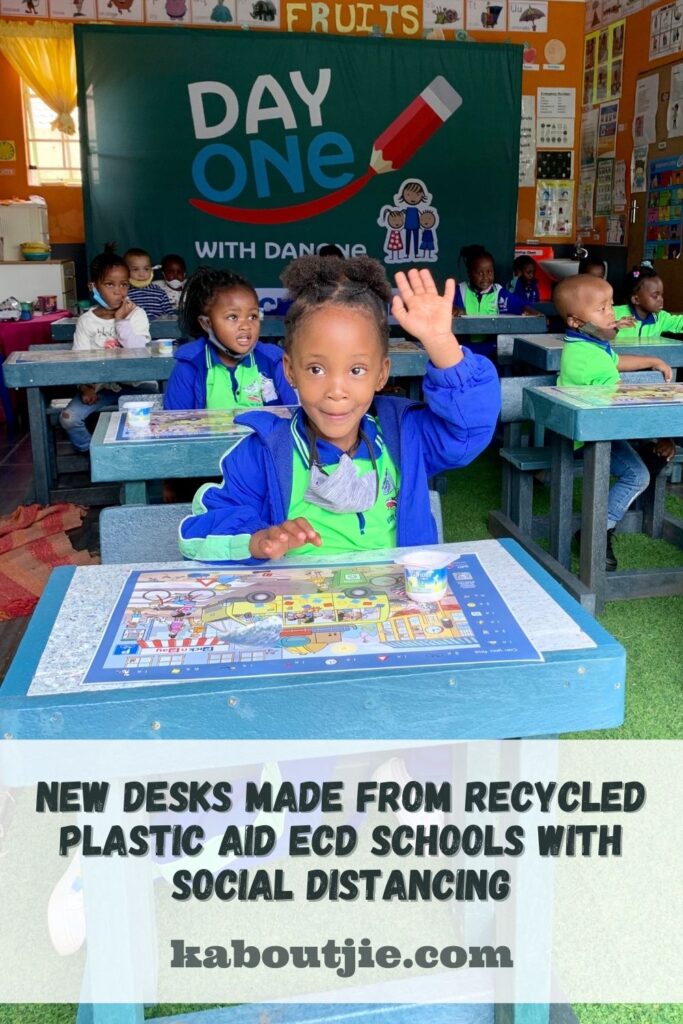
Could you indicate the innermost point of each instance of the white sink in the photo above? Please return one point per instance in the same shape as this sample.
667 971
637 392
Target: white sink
559 269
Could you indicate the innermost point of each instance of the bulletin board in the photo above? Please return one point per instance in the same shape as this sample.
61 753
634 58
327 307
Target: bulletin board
670 270
271 144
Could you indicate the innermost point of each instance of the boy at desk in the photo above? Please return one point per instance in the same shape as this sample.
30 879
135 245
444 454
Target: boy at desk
585 304
350 470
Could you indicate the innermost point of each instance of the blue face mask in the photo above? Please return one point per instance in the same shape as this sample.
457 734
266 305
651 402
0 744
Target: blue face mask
98 298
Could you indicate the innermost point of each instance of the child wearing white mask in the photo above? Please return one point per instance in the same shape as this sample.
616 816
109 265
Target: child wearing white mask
174 276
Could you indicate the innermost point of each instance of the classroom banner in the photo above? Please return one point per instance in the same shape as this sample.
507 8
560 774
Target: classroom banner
246 150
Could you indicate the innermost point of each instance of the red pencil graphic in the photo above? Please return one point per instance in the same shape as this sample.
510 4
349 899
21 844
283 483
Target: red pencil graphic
390 151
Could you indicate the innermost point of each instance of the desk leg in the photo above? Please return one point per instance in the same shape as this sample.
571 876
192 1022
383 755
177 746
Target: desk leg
110 1013
594 518
562 489
135 493
519 1013
39 445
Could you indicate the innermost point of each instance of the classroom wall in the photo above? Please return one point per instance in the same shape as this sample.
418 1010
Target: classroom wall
565 23
64 202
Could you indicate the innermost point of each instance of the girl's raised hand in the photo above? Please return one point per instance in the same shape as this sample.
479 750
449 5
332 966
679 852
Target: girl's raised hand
427 315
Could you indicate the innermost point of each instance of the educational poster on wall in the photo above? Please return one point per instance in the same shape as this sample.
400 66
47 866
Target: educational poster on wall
666 30
121 11
645 113
555 132
608 119
664 209
527 143
554 204
619 186
271 149
610 11
213 12
168 12
616 230
556 165
603 188
589 137
592 15
68 10
556 102
584 205
443 13
631 6
523 16
674 111
259 13
639 169
481 14
25 8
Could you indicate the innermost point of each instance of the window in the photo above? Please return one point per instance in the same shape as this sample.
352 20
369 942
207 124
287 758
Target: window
53 157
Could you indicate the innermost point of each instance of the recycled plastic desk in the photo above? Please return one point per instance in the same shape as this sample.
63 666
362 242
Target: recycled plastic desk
579 685
166 327
595 416
544 351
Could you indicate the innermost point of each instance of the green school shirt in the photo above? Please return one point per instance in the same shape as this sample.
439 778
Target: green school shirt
347 531
660 323
222 393
587 362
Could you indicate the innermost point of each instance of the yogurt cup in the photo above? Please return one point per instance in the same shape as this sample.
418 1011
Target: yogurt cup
139 416
426 575
165 346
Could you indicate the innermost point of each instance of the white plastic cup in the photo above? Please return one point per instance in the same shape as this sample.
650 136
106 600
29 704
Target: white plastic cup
426 575
165 346
139 416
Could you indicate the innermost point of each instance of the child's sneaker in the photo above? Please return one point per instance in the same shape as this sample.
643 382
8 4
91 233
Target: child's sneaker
610 557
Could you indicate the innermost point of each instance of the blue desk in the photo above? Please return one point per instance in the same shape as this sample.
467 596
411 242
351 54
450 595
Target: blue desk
39 370
506 324
596 417
544 351
166 327
578 685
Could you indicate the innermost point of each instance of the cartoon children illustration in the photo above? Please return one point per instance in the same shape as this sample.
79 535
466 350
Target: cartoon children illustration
393 244
176 9
428 224
221 13
410 196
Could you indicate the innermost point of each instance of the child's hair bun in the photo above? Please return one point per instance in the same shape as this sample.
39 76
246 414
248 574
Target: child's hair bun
319 277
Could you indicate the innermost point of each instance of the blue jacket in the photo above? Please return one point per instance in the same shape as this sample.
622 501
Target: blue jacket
454 426
186 387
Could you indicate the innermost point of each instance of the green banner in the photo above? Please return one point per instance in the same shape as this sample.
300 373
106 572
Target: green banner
247 149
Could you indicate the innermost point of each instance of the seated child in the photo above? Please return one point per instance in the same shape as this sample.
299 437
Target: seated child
350 471
174 274
113 322
593 266
226 366
585 304
148 296
481 296
644 314
524 283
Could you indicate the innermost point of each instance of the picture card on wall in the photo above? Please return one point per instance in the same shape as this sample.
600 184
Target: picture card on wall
446 13
484 15
68 10
170 12
213 12
611 11
25 8
555 132
554 164
259 13
523 16
120 11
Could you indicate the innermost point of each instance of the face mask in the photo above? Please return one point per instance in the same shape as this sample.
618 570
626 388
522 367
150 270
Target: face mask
599 333
138 282
345 490
175 284
98 298
236 356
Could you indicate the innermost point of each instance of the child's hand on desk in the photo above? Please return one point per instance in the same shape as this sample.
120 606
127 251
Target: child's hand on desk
664 369
428 316
88 393
276 541
530 311
111 343
626 321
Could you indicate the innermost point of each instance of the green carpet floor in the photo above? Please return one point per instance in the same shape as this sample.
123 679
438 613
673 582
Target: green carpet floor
650 630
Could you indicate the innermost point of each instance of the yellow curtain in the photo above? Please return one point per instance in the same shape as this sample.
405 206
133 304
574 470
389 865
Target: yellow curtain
43 55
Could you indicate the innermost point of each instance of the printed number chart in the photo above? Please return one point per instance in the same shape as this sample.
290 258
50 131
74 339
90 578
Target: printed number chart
173 425
598 397
664 209
203 624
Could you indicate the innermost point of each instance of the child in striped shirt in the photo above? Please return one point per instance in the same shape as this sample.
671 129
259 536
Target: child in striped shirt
142 292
